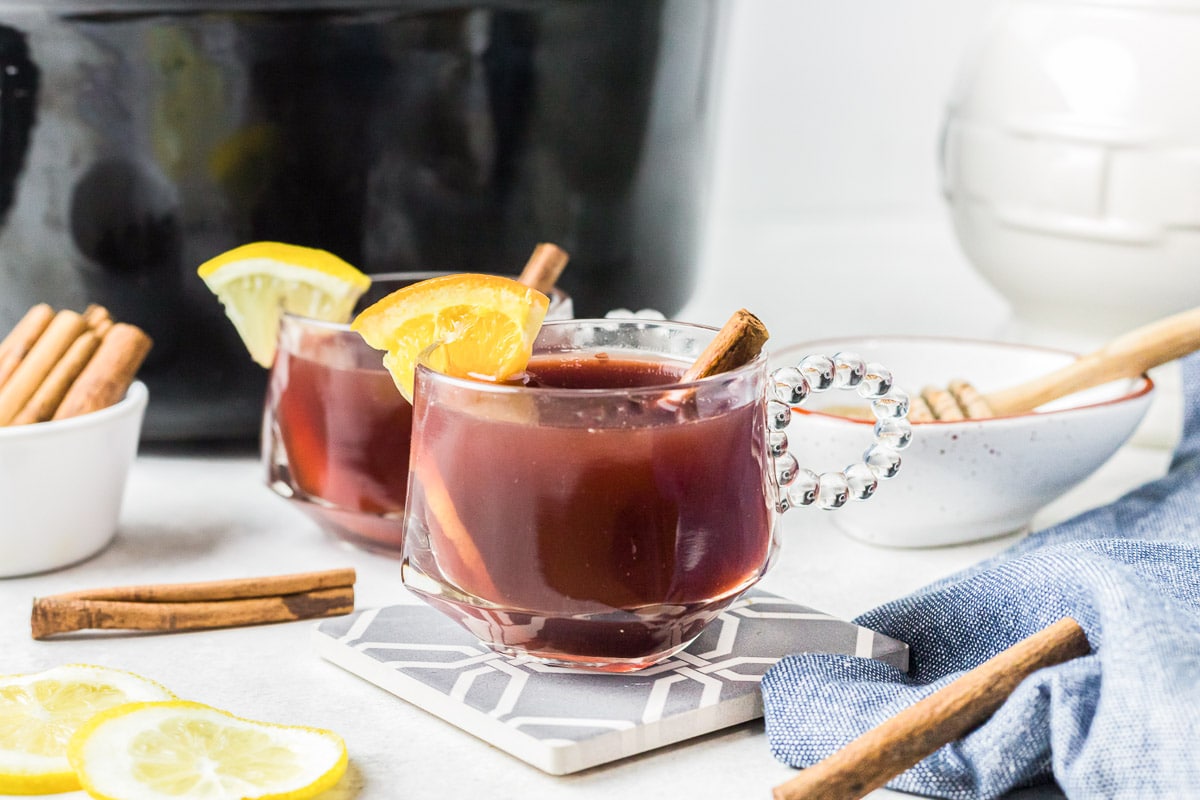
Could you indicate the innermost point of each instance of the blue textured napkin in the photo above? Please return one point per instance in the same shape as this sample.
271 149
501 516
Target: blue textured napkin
1123 721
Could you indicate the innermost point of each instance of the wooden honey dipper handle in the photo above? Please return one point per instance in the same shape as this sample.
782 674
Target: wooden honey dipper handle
1126 356
871 760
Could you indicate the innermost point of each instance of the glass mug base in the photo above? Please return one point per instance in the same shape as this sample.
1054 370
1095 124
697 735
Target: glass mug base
376 531
615 640
376 534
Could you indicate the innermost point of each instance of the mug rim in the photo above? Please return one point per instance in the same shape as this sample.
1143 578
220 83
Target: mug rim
759 362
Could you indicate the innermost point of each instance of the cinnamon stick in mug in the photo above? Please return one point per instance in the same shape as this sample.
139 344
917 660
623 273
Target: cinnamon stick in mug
740 339
543 267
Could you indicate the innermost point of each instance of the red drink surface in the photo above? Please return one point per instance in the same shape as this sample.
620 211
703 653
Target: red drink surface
346 432
586 529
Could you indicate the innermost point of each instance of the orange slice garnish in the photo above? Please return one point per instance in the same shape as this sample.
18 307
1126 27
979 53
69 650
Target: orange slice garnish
473 326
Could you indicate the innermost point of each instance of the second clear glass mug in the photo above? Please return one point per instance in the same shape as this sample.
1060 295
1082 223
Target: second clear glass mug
602 513
335 432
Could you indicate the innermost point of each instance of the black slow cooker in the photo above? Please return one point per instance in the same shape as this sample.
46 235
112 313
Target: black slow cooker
139 138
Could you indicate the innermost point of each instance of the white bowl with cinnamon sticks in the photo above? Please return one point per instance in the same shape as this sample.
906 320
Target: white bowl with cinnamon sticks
70 421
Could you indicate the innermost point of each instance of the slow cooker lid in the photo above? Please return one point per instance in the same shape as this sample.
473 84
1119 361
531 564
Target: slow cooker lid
97 7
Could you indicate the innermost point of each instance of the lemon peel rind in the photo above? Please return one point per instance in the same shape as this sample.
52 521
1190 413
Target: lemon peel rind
308 258
53 774
294 274
41 783
96 668
325 781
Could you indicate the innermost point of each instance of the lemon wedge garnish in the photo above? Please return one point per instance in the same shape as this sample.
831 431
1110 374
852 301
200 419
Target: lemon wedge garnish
484 326
189 751
258 282
39 713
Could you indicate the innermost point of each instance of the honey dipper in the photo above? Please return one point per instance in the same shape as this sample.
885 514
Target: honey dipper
1127 356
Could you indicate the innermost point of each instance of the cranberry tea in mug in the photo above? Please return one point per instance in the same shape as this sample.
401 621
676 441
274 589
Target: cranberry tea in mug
601 510
335 436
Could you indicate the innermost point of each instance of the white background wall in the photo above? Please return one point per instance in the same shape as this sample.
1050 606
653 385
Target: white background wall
826 216
835 107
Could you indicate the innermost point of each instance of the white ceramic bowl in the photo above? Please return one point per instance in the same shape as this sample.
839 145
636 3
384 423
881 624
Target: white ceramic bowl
62 483
968 480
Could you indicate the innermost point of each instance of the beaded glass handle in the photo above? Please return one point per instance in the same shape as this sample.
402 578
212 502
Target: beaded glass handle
881 460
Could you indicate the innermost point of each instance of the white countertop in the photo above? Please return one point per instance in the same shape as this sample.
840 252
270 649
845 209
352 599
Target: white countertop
206 514
194 517
203 514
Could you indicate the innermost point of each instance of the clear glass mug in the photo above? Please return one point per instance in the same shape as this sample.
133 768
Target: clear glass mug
335 431
601 513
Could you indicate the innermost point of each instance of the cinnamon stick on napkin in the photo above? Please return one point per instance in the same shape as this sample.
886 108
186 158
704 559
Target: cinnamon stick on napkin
1120 722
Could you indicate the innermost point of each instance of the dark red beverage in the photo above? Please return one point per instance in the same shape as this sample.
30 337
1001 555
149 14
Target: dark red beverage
336 430
587 527
344 430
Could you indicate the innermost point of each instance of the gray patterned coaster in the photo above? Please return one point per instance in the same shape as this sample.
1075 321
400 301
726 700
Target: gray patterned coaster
561 720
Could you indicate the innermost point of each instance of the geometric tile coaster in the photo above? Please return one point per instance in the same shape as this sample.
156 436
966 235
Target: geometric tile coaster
561 720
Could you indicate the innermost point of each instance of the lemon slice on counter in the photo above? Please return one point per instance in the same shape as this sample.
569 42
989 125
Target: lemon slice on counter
484 326
189 751
258 282
39 713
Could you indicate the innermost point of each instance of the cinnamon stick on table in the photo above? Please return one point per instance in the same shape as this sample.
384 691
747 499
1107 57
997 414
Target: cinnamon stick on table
196 606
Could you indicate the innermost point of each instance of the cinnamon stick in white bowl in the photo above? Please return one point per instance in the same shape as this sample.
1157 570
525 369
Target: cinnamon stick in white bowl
22 337
61 364
48 396
108 373
49 348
